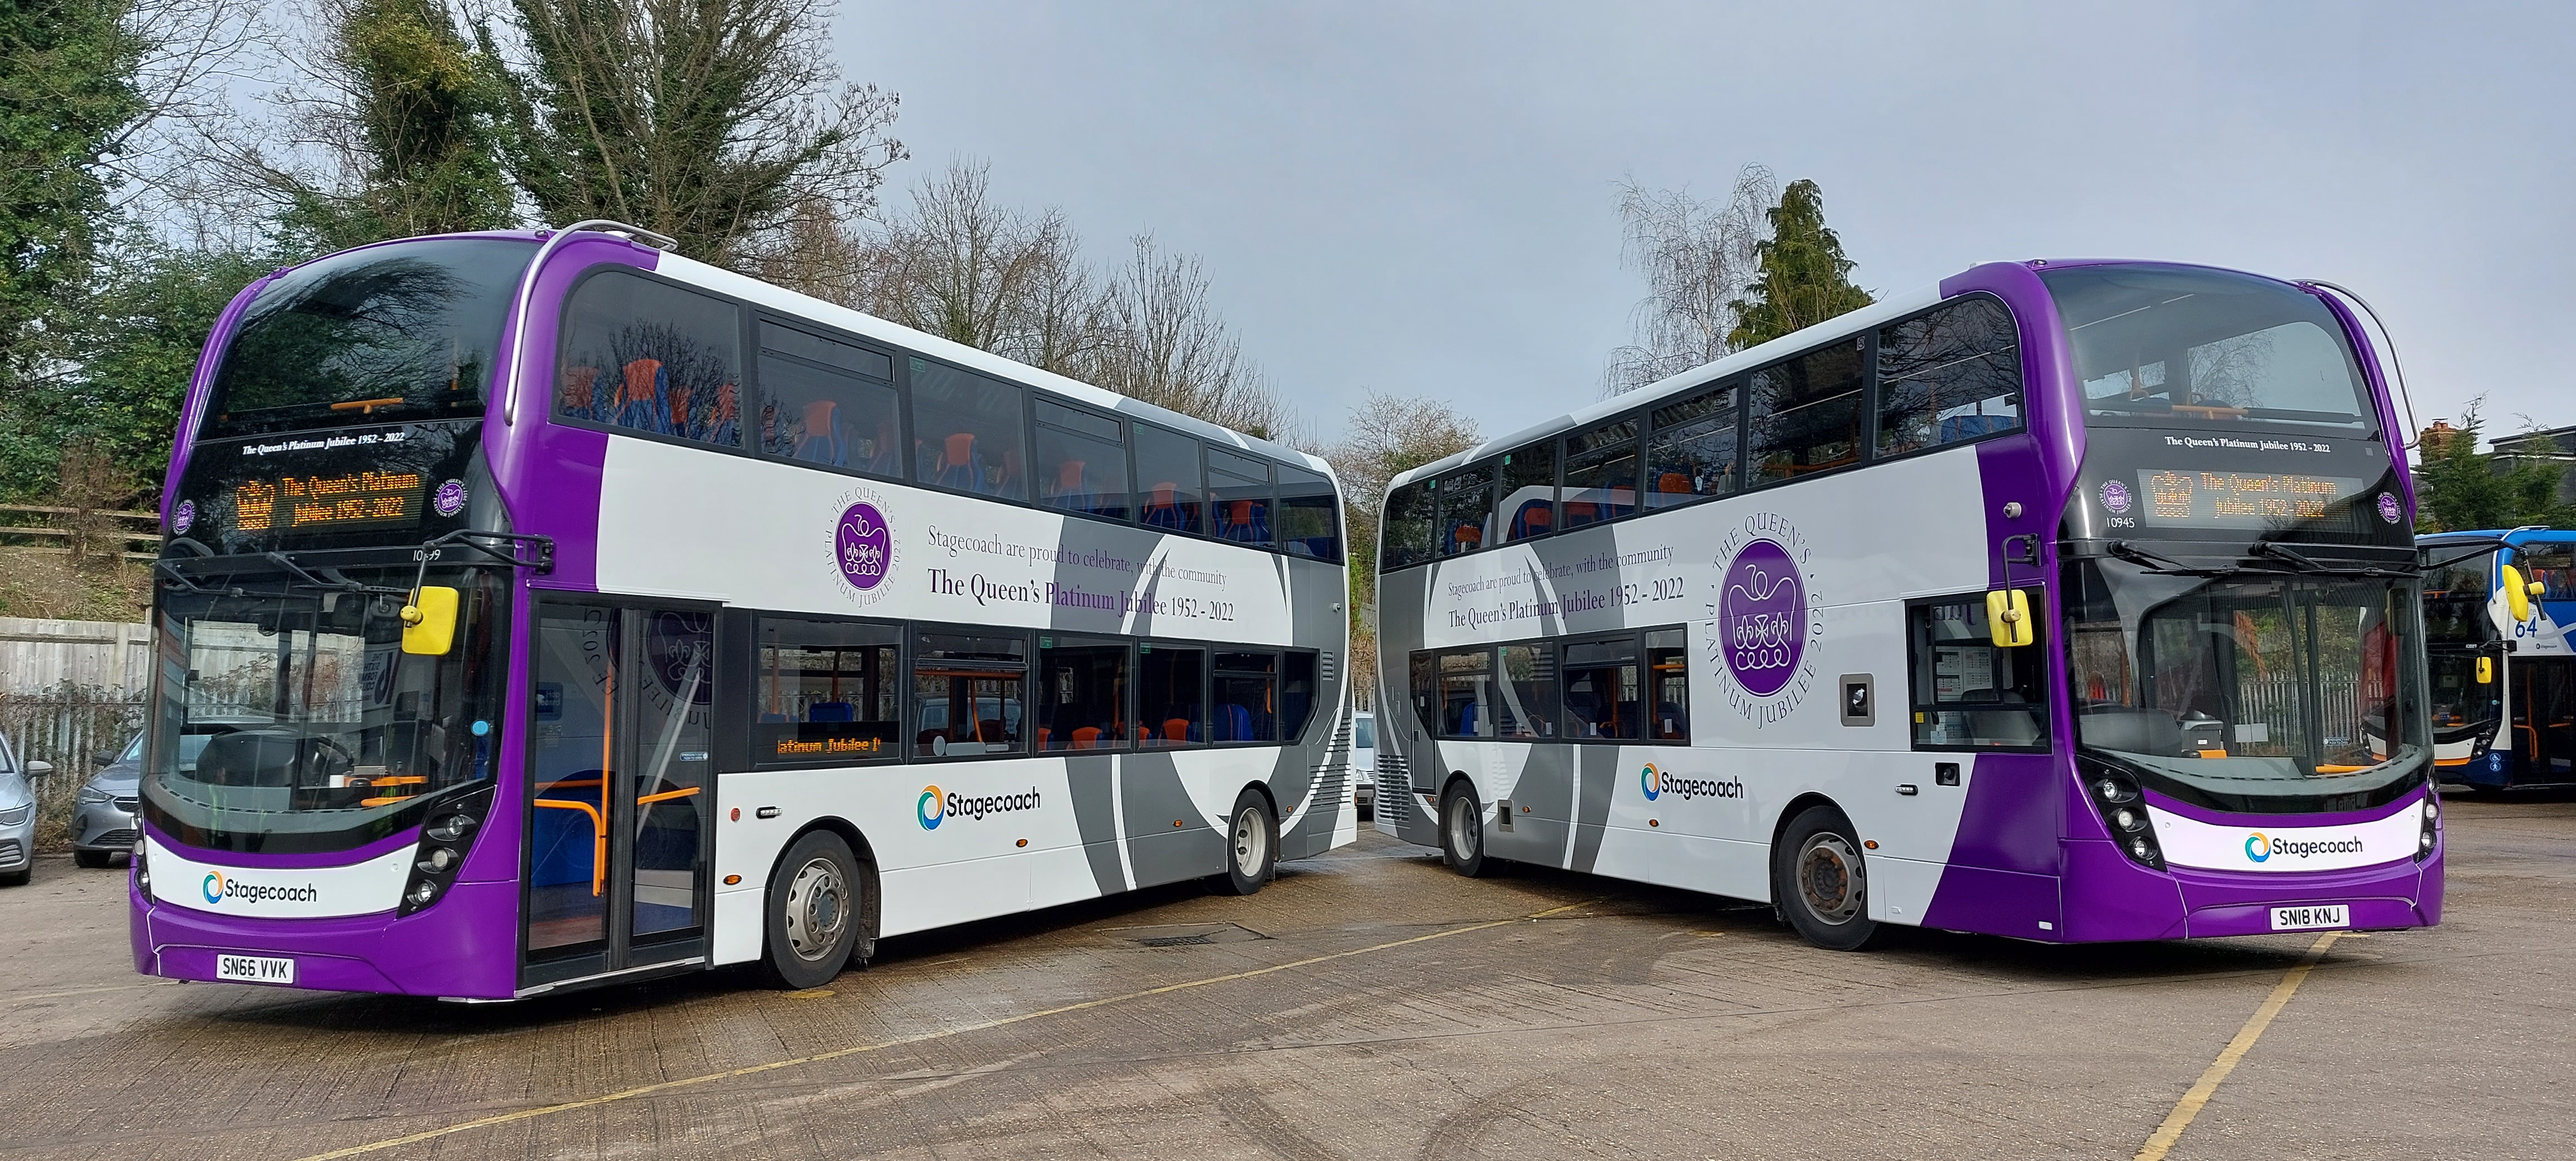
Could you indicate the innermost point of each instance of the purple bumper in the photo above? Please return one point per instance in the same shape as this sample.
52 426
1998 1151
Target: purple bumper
464 945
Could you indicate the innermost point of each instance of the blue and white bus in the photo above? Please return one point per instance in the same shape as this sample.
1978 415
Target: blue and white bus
2497 610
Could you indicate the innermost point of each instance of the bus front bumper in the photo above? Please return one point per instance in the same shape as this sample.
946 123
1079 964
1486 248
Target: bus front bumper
464 946
2108 897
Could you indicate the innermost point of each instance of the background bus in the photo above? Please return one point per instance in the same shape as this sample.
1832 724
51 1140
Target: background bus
538 610
2503 687
2064 601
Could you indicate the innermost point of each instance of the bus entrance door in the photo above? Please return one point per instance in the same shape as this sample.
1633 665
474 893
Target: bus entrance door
2543 697
622 790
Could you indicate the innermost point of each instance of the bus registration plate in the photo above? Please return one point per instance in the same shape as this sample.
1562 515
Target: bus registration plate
253 969
2311 918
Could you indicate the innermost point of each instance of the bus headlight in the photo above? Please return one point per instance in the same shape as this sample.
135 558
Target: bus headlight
444 841
2432 832
2124 811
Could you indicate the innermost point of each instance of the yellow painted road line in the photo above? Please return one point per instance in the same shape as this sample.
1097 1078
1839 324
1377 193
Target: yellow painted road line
838 1053
2191 1103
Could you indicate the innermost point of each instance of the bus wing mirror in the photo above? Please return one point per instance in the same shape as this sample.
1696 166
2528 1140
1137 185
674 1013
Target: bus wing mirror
429 621
2486 671
2517 594
2008 616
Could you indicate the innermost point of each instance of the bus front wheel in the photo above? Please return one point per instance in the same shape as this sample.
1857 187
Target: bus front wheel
1462 830
813 912
1821 881
1251 844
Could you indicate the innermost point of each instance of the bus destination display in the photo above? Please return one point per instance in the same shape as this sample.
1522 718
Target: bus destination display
2206 499
361 499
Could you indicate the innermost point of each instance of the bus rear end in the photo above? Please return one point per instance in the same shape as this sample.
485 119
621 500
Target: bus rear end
2239 610
334 610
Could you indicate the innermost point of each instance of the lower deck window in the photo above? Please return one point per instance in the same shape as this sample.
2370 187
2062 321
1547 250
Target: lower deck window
1083 699
1969 692
1245 698
828 692
967 694
1603 689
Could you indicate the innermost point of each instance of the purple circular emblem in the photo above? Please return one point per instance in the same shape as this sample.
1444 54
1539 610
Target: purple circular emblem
863 545
2115 496
1762 617
182 517
2389 510
450 498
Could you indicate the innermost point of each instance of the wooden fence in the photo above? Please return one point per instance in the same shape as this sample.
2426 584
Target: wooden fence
47 528
39 655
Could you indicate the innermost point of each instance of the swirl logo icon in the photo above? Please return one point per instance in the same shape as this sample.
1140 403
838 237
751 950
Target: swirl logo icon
1651 781
863 542
930 808
2257 847
213 887
1762 617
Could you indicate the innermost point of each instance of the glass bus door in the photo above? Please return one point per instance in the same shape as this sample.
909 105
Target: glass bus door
620 813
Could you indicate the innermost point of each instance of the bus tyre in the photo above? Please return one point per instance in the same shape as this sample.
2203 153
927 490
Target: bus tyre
1462 830
1251 844
813 912
1821 882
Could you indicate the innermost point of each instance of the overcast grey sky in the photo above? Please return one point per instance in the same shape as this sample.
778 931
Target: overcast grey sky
1419 198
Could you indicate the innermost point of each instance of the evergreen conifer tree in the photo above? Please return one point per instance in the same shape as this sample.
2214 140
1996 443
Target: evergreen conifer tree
1804 278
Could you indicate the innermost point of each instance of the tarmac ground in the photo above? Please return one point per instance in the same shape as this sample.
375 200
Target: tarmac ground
1367 1004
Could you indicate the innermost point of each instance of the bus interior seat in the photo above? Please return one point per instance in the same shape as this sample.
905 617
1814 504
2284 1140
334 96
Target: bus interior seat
1178 730
1072 486
767 718
641 405
1673 484
565 841
1468 537
1086 737
887 460
249 758
822 441
1958 427
1164 510
958 464
1535 518
1237 723
831 711
1243 521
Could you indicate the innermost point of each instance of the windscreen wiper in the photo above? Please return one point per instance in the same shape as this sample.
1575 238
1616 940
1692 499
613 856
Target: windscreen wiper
2158 564
2314 567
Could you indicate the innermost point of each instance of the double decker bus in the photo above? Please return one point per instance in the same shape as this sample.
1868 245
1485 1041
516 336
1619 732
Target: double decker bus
2128 543
2497 607
538 610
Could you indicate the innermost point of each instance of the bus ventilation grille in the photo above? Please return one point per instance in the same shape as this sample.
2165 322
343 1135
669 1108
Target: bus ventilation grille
1394 803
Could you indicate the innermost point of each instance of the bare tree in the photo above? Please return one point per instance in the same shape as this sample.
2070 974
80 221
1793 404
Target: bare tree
1388 435
1167 345
1696 257
962 266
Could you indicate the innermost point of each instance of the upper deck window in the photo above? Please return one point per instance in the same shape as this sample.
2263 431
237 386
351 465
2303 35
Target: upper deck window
652 357
828 402
399 332
1806 414
2158 346
1949 376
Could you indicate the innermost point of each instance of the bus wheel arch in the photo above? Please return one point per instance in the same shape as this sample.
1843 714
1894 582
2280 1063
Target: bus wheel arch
1251 840
1819 876
1462 827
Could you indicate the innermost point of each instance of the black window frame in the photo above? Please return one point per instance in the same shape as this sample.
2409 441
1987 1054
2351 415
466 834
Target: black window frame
1503 521
1918 703
758 397
746 372
1126 453
914 749
751 626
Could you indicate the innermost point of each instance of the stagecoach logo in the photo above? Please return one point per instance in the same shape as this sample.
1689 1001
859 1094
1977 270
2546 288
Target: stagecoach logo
934 807
182 517
450 498
219 886
2259 847
1657 782
1764 623
863 551
2115 496
2389 509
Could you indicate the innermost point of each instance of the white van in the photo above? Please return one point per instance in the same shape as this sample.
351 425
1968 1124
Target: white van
1364 762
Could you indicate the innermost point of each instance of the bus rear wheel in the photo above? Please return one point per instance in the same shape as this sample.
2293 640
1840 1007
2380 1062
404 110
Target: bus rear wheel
1462 831
813 912
1821 881
1251 844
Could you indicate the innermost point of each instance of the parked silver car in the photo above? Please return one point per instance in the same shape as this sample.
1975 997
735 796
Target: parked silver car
1364 763
18 814
103 819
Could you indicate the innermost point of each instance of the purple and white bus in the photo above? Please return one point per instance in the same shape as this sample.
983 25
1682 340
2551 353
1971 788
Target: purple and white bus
538 610
2127 543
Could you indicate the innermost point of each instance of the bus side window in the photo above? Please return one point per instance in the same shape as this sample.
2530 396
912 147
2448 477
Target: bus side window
1082 698
1466 693
1806 414
1948 376
966 432
828 692
1408 522
1171 696
1600 475
1527 692
1169 480
1668 663
1967 692
828 402
1690 451
1245 701
1082 462
967 694
1603 689
1296 695
1529 492
654 358
1308 523
1466 499
1238 497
